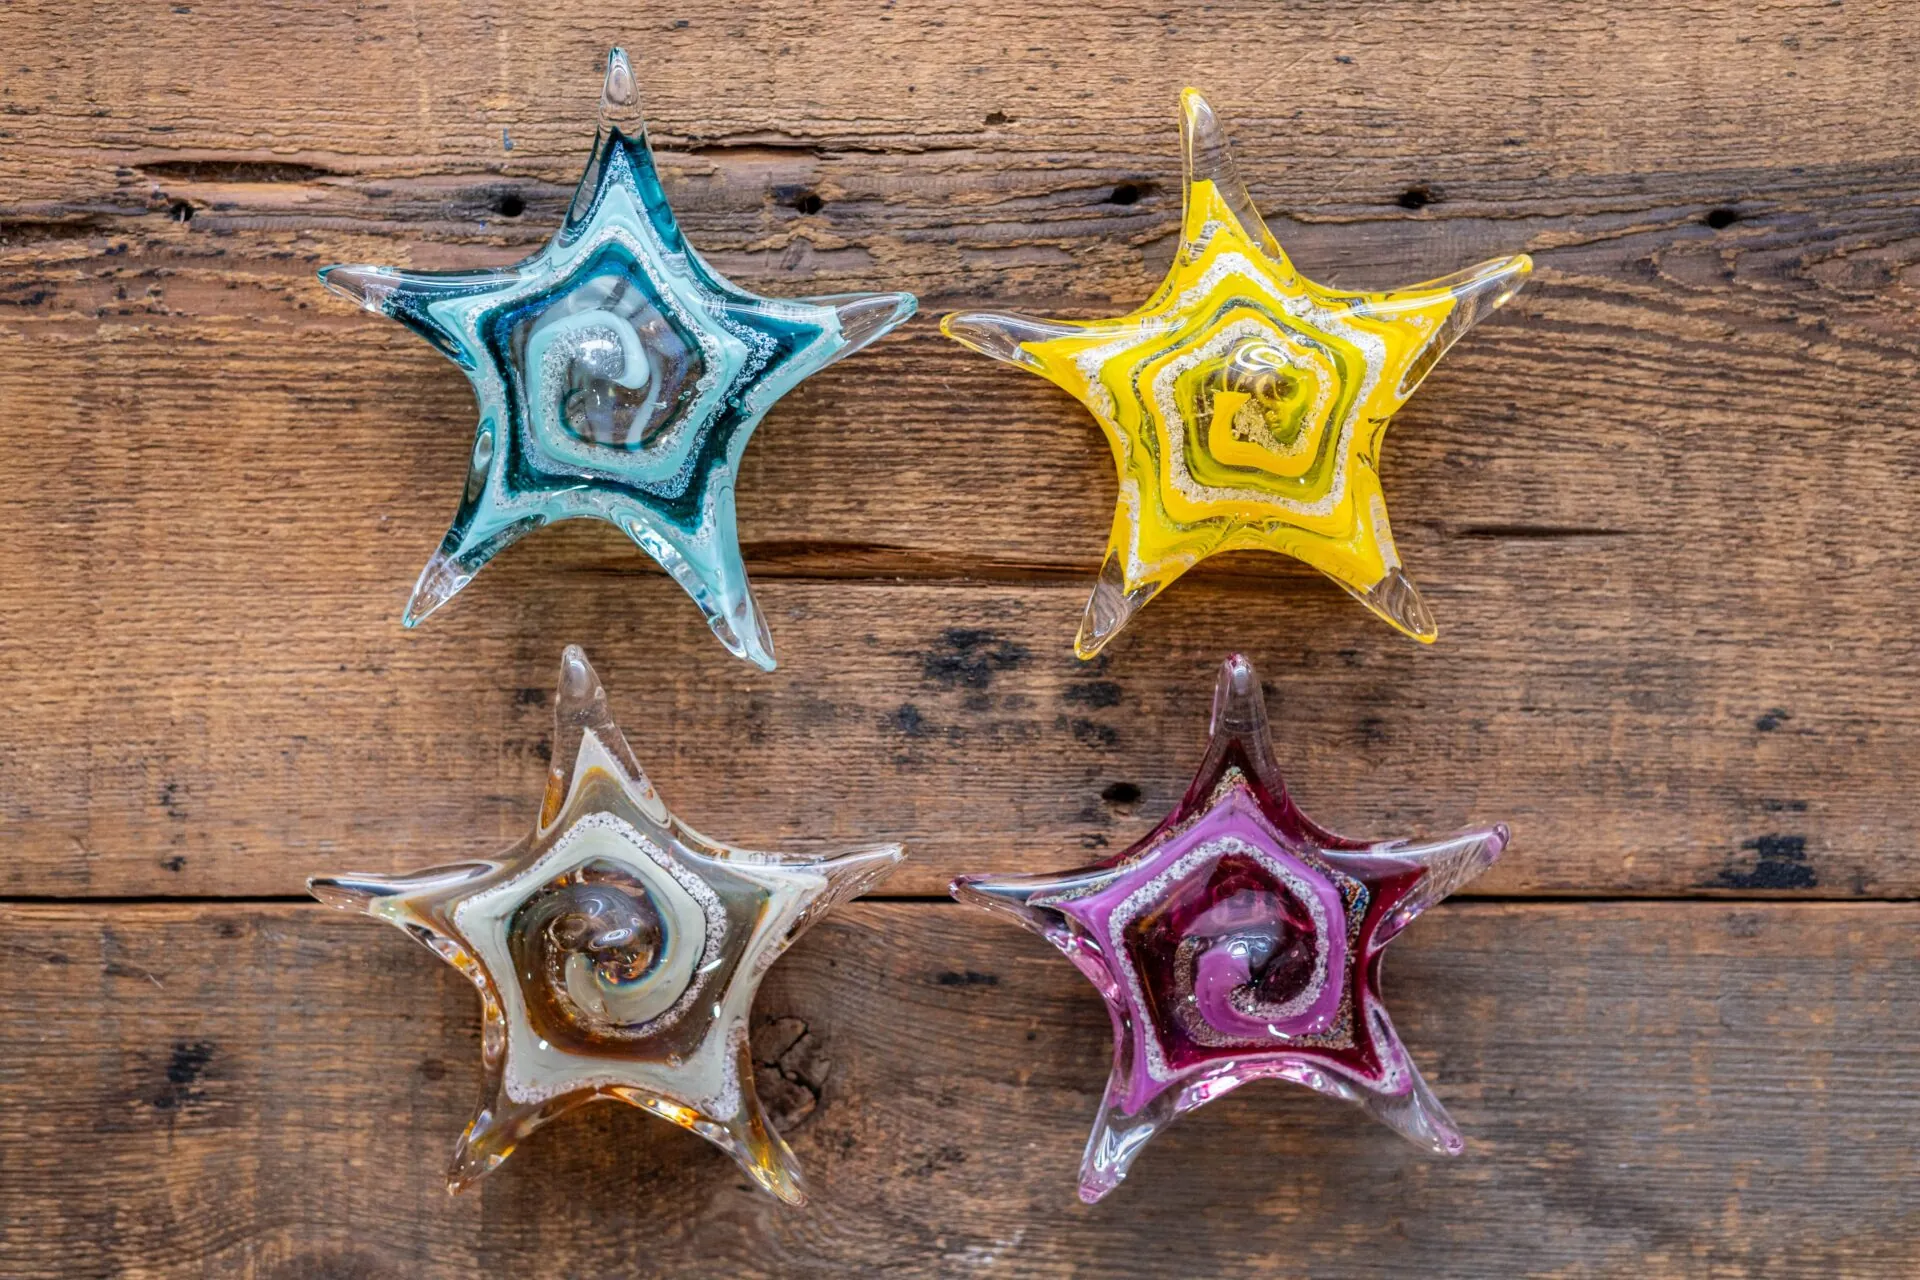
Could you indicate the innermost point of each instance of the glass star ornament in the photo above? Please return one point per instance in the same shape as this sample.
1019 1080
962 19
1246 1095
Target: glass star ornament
619 377
615 949
1241 941
1246 404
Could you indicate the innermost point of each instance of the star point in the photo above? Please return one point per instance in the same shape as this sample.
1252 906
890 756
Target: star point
1245 404
1241 941
619 377
616 950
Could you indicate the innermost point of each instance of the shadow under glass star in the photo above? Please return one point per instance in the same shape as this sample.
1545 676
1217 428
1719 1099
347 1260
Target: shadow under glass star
619 378
1245 404
615 949
1241 941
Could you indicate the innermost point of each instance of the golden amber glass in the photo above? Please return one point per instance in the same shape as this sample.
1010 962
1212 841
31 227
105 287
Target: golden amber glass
615 949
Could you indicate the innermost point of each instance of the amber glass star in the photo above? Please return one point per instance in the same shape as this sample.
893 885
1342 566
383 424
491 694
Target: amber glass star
1241 941
1246 404
615 949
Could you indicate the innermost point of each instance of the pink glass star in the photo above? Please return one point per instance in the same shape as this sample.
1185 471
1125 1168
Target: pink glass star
1240 941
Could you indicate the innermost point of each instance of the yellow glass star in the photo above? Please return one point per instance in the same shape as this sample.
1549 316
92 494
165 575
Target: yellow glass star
1244 403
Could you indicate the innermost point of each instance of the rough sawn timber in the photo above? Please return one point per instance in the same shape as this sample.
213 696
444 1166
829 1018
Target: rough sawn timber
1662 505
1672 1089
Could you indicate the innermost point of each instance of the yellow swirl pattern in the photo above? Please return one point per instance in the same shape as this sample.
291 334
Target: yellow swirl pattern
1245 404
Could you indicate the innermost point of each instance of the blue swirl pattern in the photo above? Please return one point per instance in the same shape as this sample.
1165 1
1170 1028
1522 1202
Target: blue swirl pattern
619 378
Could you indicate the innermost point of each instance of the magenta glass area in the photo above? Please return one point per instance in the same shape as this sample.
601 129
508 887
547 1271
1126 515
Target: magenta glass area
1240 941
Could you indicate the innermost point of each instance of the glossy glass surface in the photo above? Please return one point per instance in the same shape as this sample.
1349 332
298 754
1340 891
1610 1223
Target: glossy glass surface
619 377
1245 404
1241 941
615 949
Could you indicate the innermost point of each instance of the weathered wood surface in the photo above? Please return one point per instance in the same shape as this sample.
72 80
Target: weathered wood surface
1673 1089
1662 506
950 716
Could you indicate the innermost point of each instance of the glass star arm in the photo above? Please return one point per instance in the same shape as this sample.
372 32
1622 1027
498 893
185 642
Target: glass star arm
1012 897
1238 732
1112 604
1402 1100
620 118
390 897
1477 292
1004 335
1208 159
847 875
1119 1136
746 1133
1440 868
408 296
708 566
864 318
1445 866
1398 601
459 557
418 903
581 716
499 1124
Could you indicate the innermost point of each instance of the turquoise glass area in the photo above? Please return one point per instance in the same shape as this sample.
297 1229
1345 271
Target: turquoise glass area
619 377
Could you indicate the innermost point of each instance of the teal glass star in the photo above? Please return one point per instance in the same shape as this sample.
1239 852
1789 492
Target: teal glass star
619 377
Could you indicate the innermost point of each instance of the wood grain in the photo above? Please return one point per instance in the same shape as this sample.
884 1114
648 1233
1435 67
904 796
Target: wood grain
1668 1089
1661 505
173 743
1506 88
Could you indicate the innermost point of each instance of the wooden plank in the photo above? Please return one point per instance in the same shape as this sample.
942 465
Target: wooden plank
174 742
1617 371
1509 90
1661 506
1737 691
1662 1089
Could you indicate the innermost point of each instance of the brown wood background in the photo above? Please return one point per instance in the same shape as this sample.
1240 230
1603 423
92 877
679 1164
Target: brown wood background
1663 507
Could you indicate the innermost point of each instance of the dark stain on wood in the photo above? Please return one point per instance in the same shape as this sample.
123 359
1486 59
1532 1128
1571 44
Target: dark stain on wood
966 978
1093 693
1769 862
908 722
186 1067
970 658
